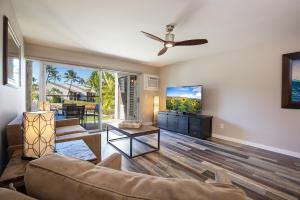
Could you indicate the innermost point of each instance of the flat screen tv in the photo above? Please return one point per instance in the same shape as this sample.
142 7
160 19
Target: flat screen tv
184 99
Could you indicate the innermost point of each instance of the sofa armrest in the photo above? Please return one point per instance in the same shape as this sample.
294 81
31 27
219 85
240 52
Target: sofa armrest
10 194
14 131
67 122
114 161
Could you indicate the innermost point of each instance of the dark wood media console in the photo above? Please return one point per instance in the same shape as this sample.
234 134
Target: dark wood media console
199 126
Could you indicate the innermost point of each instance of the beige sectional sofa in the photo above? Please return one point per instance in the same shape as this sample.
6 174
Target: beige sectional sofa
66 130
8 194
56 177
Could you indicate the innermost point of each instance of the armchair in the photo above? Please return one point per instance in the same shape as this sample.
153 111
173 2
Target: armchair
66 130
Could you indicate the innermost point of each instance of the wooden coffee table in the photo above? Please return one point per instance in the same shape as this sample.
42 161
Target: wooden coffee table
15 169
133 134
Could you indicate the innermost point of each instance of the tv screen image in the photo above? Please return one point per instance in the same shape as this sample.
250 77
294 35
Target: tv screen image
184 99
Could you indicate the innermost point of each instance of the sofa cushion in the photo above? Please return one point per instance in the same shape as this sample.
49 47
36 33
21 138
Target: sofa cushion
59 177
10 194
65 130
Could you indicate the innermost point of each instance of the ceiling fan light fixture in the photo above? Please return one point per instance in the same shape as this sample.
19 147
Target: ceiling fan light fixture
169 45
169 42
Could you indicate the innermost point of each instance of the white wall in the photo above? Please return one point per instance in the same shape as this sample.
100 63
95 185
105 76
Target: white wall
242 89
50 54
89 59
12 101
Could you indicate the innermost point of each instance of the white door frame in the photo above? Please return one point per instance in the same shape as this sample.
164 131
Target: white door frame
100 100
42 82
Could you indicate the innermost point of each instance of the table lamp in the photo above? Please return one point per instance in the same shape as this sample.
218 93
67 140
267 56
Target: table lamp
155 109
38 133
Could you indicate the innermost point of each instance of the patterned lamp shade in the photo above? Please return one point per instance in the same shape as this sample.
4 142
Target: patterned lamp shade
38 133
44 106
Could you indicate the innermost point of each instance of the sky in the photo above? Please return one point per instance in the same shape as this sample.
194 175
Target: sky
296 70
81 72
188 92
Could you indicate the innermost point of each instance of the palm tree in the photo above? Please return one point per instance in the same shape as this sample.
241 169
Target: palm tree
35 89
33 80
52 74
35 86
81 81
71 77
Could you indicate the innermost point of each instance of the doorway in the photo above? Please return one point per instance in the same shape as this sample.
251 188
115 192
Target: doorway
103 95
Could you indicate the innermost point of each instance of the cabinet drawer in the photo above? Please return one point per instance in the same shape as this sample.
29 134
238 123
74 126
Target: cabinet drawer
162 121
195 124
172 122
183 124
195 133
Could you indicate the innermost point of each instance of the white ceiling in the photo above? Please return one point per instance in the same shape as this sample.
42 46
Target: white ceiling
113 27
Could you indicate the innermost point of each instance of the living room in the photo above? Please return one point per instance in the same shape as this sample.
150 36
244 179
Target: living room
180 95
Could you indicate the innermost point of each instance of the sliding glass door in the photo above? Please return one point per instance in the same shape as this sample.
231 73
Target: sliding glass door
119 96
96 96
128 97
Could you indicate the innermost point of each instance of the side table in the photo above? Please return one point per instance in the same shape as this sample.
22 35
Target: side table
16 167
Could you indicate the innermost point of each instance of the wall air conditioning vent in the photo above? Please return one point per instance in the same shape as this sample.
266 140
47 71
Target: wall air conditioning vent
151 82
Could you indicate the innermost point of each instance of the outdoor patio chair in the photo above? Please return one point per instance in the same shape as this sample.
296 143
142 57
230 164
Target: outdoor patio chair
75 112
96 112
64 107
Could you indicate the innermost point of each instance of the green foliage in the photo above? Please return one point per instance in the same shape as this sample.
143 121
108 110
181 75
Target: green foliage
93 81
108 93
34 90
34 80
184 104
35 96
55 91
81 81
80 103
108 90
52 74
55 98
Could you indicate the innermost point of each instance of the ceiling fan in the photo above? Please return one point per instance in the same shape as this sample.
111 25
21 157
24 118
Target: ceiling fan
169 40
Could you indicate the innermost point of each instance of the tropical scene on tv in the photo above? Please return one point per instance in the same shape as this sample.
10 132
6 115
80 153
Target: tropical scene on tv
296 82
184 99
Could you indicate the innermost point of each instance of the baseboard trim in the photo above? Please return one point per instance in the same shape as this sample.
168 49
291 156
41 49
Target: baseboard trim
262 146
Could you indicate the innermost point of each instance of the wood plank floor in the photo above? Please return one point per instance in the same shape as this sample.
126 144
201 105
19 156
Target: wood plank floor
261 174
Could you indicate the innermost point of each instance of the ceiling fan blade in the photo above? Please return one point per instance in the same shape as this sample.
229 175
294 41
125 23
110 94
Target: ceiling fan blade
161 52
191 42
153 37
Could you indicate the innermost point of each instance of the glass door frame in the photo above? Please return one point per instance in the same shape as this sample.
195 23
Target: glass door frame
42 86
